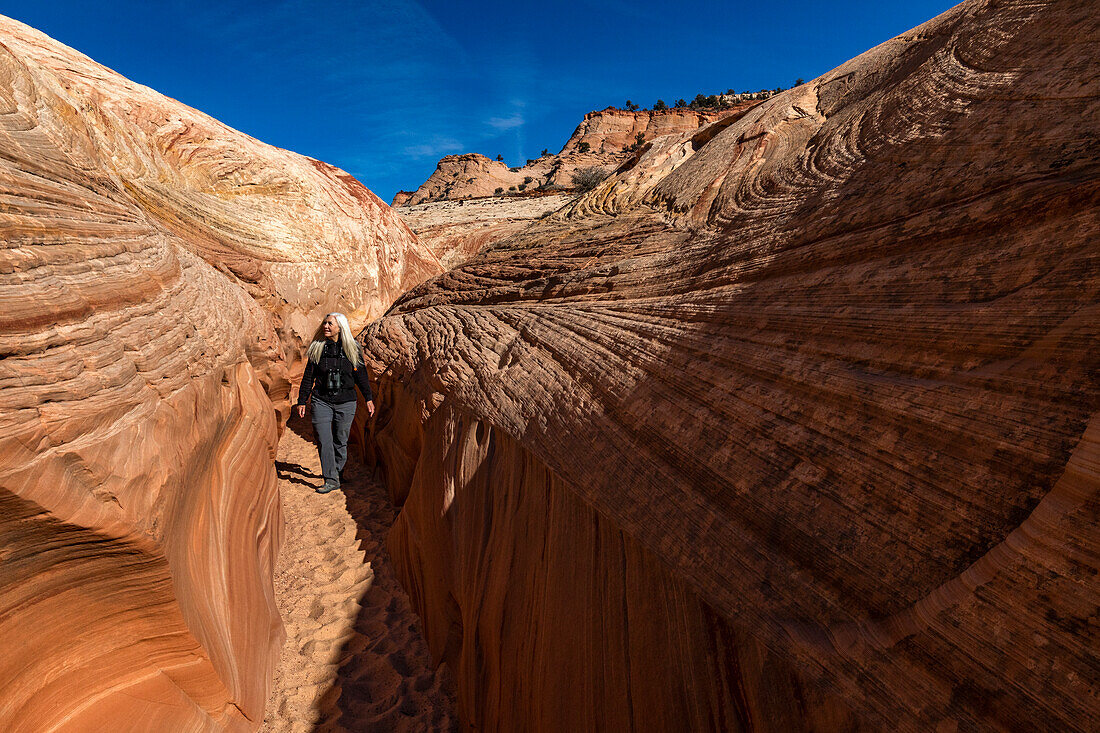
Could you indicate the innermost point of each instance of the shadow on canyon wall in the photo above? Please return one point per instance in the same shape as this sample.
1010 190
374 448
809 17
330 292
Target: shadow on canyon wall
836 377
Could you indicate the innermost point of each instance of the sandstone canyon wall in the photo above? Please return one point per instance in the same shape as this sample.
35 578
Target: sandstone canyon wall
792 424
158 274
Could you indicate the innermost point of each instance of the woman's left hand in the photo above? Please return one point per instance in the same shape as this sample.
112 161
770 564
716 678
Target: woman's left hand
370 408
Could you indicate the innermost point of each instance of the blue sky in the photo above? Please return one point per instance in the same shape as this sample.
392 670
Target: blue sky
384 89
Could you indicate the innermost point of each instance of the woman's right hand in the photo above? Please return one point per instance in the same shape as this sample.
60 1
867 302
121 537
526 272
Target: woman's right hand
301 410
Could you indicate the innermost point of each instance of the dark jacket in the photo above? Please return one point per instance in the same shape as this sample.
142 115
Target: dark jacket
316 379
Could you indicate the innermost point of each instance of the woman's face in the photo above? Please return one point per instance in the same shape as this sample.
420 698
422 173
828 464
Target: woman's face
330 327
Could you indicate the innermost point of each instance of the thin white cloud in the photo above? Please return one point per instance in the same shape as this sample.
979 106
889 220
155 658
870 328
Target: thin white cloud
506 123
435 147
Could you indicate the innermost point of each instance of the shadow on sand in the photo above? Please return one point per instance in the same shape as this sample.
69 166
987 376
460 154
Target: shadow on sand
386 680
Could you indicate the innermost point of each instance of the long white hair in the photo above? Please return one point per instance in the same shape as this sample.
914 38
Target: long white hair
351 349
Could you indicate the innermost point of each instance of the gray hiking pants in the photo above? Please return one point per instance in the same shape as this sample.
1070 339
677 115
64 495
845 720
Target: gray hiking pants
332 424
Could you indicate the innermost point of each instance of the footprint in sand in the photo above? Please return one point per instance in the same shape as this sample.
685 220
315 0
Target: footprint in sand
354 659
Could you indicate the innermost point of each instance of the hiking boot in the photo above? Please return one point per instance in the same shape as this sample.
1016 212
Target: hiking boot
330 485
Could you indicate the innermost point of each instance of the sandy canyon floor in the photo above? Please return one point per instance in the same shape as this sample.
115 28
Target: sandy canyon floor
354 657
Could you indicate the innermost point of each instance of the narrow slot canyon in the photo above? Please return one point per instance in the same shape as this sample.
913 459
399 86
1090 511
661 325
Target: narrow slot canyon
777 413
354 657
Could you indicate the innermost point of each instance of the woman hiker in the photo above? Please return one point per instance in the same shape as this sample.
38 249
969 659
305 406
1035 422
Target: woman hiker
333 367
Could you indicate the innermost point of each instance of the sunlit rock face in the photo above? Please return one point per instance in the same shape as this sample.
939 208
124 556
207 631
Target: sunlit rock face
794 424
301 236
455 231
158 274
471 201
604 139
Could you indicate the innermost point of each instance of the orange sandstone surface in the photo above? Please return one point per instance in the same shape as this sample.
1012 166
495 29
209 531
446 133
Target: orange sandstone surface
159 272
792 424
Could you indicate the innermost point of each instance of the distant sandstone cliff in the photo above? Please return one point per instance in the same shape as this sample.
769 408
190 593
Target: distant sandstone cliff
159 274
792 424
602 139
471 200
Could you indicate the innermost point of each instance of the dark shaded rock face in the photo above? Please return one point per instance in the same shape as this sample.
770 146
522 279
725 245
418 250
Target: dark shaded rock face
794 423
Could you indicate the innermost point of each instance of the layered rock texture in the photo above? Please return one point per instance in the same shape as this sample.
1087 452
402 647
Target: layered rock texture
792 424
604 139
158 274
457 230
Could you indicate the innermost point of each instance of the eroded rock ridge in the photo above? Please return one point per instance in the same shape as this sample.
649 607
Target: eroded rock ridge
791 424
471 200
